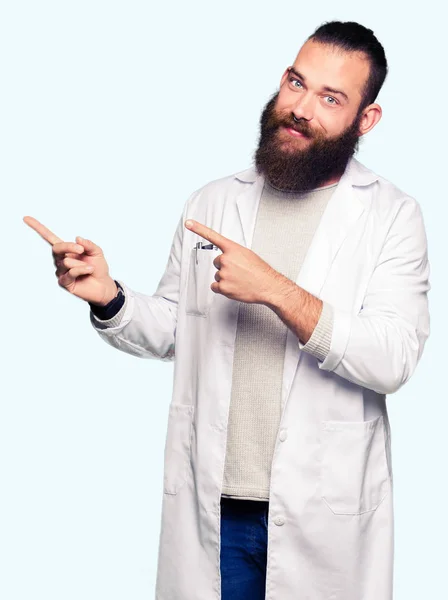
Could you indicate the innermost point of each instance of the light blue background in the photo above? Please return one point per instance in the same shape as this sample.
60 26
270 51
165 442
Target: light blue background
112 113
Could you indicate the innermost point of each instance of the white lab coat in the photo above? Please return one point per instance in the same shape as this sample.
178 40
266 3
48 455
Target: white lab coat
330 529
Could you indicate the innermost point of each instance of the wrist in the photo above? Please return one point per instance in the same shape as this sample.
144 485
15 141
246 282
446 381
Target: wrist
281 288
111 294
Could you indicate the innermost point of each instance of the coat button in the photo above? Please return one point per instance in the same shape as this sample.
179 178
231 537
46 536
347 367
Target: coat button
279 520
283 435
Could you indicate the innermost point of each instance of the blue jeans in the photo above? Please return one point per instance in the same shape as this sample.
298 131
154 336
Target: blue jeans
244 541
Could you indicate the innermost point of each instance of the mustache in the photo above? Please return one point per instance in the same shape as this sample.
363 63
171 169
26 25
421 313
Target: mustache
301 126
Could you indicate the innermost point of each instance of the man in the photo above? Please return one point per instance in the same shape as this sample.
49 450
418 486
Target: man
293 301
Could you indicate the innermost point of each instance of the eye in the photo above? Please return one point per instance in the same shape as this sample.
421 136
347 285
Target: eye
293 81
333 99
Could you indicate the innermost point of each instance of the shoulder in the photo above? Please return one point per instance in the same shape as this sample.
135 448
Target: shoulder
384 196
222 186
249 175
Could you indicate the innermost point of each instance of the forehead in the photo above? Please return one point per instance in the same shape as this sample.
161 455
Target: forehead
324 65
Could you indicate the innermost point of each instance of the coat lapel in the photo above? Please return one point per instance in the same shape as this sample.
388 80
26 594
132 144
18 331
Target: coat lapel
341 213
247 203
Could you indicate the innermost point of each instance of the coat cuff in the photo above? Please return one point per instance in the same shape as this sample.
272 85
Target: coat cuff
320 341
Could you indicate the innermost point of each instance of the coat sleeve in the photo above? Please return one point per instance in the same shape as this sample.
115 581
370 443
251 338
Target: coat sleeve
379 347
147 328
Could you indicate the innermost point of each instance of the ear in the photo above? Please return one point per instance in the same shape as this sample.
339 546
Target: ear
371 116
284 76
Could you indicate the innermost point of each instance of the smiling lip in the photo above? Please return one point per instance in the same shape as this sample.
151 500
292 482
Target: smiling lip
294 132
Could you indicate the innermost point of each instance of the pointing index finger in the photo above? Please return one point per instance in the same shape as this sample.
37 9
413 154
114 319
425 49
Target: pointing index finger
209 234
43 231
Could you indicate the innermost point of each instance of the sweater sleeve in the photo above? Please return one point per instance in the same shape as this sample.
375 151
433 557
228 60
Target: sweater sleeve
110 315
320 341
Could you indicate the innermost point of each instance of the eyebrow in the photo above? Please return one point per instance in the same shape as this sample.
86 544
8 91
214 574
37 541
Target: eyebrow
325 88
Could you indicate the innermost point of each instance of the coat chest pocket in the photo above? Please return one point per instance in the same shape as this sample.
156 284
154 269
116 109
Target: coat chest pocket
177 447
201 275
354 470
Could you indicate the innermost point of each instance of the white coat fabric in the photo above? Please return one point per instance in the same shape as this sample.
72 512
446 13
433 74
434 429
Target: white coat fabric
330 527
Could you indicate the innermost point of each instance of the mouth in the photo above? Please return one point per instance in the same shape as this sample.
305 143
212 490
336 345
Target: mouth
294 132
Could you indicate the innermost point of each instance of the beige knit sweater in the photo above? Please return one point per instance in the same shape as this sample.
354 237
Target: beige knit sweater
284 228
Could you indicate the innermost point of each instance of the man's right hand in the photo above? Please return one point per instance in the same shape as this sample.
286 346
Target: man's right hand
81 268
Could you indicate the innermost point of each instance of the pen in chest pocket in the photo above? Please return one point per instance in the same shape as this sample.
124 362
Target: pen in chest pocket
201 246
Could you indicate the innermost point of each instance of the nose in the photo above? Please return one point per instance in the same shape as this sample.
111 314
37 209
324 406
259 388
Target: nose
303 108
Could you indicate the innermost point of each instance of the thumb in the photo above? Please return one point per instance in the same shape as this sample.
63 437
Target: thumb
89 247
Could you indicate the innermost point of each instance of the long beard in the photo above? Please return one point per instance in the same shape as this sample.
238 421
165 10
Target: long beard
291 168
